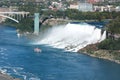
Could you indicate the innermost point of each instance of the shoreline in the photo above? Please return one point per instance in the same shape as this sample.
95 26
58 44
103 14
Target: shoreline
4 76
111 55
100 57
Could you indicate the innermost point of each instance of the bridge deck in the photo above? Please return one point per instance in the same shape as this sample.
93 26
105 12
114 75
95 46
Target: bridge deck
14 12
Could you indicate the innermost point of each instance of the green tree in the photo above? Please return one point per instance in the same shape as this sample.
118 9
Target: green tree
114 26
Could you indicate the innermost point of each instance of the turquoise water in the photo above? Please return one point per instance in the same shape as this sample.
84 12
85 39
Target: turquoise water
18 59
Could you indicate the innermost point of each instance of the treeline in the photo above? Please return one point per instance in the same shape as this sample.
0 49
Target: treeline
74 14
114 26
113 40
24 25
71 14
110 44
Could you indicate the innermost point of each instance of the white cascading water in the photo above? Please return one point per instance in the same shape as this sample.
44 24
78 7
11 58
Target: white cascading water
72 37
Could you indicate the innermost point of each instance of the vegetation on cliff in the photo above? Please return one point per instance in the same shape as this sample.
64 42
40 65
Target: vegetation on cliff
114 26
113 40
110 44
24 25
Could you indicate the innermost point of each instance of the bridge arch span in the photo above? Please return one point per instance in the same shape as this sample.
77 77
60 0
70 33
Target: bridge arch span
9 18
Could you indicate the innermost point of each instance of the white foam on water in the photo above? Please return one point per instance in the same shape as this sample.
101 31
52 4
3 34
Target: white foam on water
3 71
72 37
2 49
18 71
34 78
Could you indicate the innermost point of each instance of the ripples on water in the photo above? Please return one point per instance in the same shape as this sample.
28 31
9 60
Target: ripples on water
18 59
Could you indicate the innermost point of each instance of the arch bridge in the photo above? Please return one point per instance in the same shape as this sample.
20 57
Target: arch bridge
15 16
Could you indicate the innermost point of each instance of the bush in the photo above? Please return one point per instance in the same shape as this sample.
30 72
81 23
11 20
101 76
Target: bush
110 44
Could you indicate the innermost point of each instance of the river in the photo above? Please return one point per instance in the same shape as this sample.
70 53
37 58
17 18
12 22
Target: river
18 59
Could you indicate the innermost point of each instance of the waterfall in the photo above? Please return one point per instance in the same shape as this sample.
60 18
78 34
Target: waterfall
72 37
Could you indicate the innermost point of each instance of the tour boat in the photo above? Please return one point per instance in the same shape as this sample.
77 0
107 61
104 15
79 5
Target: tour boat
38 50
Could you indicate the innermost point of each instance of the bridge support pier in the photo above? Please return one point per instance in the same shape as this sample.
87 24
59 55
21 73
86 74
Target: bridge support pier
36 23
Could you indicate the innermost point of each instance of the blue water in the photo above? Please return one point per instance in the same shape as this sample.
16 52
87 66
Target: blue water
18 59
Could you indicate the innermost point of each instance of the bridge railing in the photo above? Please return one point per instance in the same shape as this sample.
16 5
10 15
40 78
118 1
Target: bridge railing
11 15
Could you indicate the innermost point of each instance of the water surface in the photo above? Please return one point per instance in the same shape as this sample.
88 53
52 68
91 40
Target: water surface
18 59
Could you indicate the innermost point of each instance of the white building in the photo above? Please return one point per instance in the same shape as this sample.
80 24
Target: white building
74 6
108 8
117 8
85 7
